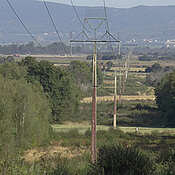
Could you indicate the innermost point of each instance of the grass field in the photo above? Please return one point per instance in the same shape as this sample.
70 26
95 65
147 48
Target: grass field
82 128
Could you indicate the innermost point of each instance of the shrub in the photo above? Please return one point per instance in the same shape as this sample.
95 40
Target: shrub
122 160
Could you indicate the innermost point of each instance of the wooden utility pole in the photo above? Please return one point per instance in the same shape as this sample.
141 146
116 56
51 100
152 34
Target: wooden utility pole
120 91
115 101
94 107
123 78
126 71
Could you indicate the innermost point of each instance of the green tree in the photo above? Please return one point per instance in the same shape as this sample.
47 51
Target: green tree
57 83
82 76
24 116
165 98
81 73
145 58
13 71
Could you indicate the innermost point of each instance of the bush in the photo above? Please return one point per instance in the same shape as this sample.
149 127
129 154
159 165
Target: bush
122 160
145 58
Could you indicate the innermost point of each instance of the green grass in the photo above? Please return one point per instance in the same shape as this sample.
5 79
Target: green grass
133 86
148 130
129 114
82 128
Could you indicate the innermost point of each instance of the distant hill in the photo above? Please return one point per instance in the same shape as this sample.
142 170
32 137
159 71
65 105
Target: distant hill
137 22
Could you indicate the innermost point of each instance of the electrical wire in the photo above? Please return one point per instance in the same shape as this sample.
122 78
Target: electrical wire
14 11
78 15
50 16
105 10
107 23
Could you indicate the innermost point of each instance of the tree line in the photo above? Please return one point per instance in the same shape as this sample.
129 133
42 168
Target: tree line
32 49
35 94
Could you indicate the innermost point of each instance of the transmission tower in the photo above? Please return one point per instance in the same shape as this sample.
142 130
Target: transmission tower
93 25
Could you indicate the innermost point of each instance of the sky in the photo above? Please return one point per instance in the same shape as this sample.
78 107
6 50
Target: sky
117 3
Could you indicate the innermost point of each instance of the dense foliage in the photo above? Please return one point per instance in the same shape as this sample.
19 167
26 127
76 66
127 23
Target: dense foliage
24 116
57 83
165 94
145 58
156 72
105 57
121 160
6 59
82 75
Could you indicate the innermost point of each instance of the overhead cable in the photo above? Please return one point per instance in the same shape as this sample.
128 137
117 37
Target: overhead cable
78 15
50 16
14 11
107 23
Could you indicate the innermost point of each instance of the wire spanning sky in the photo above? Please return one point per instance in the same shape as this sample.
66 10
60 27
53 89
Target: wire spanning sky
118 3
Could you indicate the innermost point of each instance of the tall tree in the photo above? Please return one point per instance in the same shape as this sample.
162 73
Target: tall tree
165 97
24 116
82 75
57 83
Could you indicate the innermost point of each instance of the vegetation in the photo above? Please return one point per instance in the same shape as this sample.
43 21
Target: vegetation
34 94
165 93
130 113
8 59
122 160
156 73
24 117
31 48
57 83
145 58
155 155
82 76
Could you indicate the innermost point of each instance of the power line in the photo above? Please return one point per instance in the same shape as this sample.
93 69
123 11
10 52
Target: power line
77 15
107 23
106 15
23 23
94 84
50 16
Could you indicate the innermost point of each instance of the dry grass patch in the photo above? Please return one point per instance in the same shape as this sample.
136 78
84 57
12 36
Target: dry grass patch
52 151
125 98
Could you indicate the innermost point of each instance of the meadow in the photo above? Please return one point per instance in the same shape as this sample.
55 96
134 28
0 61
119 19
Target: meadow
83 128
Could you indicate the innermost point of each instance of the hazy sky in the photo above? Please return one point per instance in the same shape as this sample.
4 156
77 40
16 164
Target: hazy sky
118 3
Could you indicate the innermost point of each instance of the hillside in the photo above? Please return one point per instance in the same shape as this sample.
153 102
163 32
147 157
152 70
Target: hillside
141 21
